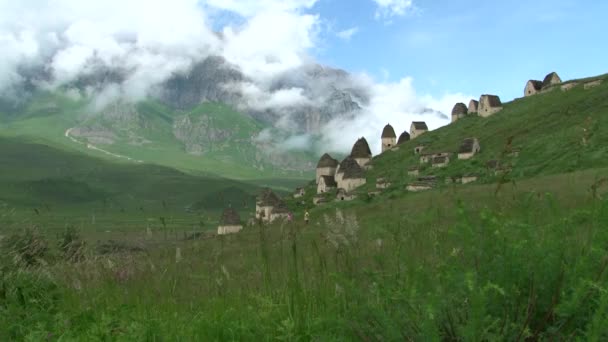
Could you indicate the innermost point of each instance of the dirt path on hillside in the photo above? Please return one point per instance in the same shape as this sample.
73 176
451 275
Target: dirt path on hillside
95 148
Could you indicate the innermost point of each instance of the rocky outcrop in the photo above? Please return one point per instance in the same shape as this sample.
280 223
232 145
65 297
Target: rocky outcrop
199 135
204 82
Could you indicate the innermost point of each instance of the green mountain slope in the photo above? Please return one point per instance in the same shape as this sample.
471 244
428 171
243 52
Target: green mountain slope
211 138
37 176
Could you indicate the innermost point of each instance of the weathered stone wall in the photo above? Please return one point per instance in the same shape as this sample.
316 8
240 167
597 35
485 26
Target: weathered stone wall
277 216
387 144
469 155
322 187
468 179
473 106
568 86
263 212
455 117
485 109
418 187
416 133
592 84
530 89
325 171
351 184
222 230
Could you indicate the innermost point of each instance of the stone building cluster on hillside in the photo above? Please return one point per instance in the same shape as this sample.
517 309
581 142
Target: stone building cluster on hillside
340 179
491 104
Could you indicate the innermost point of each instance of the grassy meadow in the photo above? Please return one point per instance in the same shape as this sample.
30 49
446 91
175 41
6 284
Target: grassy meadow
97 250
525 263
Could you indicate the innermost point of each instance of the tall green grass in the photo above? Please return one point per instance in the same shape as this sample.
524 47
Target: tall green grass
527 266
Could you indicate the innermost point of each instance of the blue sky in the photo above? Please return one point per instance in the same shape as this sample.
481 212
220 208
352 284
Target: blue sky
467 46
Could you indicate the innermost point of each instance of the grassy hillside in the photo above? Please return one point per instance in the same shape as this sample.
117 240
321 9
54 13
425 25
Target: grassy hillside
51 187
521 256
556 132
222 138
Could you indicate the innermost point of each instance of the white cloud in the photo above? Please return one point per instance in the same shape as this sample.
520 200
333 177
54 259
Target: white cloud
151 39
392 8
396 103
248 8
270 43
348 34
257 98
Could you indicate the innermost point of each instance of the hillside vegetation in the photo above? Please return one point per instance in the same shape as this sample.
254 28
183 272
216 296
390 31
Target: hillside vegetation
522 255
209 138
555 132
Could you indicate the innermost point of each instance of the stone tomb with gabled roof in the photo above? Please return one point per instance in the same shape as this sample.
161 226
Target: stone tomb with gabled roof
361 152
389 138
326 166
533 87
459 111
265 204
473 106
326 184
468 148
418 128
550 80
404 137
230 222
489 104
353 176
300 192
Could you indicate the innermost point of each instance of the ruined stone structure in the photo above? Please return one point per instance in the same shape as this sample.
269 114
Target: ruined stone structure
418 128
468 148
469 178
280 212
441 161
389 138
382 183
459 111
326 184
425 158
428 157
361 152
592 84
318 200
489 104
422 184
353 175
418 149
265 205
550 80
413 171
326 166
473 106
568 86
533 87
493 165
404 137
343 195
230 222
300 192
